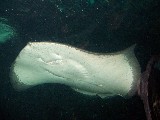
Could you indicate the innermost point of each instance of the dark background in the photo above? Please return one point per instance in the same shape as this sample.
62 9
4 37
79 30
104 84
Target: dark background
101 27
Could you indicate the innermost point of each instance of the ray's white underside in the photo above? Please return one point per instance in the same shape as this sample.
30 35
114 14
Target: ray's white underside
88 73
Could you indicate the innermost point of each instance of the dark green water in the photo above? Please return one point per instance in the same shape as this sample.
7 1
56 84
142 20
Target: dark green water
94 25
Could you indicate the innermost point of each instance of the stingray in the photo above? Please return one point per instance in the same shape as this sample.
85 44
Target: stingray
86 72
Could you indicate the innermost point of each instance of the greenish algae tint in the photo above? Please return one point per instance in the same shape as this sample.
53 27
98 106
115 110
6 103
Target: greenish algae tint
91 1
6 31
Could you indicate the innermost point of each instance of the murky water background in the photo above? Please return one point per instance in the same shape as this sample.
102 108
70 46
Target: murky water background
95 25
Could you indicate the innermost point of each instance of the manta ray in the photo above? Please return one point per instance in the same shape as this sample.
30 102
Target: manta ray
86 72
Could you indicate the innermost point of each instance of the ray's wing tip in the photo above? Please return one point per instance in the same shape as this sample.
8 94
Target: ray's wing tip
15 81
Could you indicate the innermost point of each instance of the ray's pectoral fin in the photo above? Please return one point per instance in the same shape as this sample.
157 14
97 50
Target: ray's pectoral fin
102 95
